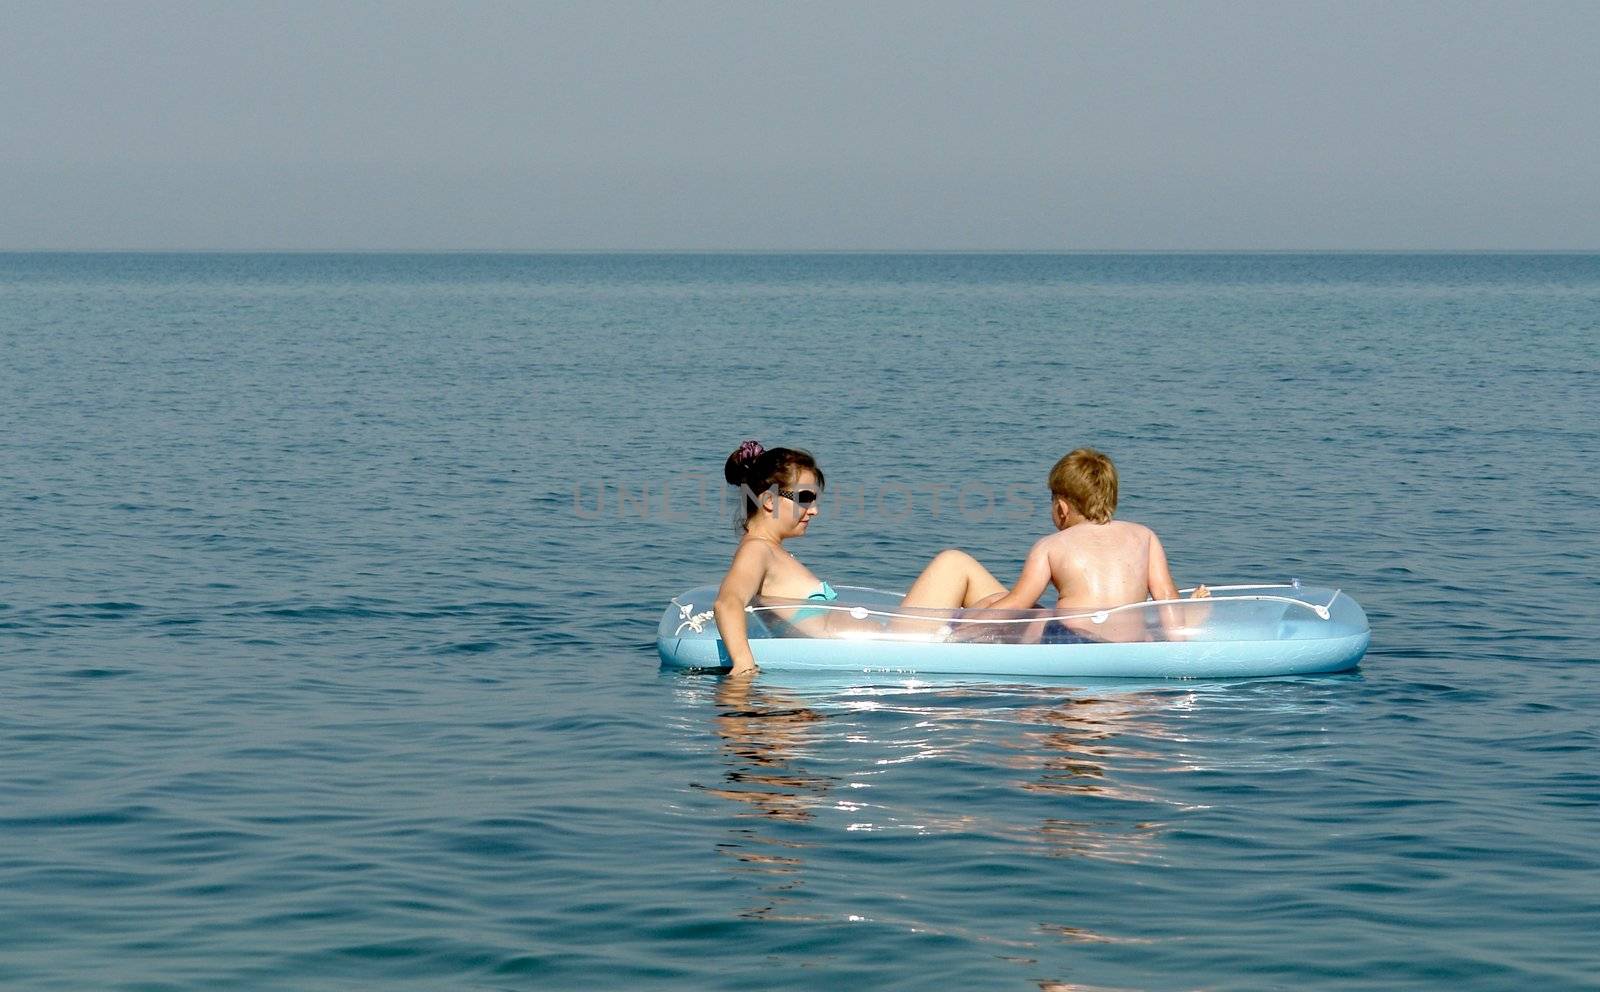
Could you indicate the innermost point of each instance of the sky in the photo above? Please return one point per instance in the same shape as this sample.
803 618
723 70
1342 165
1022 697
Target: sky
799 125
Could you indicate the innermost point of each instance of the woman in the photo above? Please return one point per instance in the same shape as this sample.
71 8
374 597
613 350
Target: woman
779 491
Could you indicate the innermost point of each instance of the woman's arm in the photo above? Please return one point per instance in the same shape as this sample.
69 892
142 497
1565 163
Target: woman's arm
739 587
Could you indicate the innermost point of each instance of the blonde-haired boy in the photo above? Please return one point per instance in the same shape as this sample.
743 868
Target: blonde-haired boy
1094 561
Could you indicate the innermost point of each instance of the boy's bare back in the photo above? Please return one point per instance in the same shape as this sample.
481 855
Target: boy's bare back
1095 566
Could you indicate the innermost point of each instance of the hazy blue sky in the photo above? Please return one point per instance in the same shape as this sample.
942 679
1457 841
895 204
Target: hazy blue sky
799 125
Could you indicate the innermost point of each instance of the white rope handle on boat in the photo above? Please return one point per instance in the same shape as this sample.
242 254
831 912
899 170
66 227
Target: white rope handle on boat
1097 616
691 619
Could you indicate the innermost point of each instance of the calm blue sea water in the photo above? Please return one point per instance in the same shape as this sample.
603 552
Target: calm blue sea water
329 583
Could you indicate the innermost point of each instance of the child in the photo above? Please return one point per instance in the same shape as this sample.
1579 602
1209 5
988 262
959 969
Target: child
1094 561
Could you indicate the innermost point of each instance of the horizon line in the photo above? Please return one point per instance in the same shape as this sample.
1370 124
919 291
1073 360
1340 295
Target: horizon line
794 251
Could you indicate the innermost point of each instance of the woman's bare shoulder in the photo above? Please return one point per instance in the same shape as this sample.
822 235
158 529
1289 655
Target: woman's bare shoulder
751 551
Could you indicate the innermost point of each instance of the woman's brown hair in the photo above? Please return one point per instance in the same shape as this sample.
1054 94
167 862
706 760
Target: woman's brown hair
756 470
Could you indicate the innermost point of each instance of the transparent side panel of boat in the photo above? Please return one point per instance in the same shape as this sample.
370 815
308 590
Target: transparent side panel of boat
1233 613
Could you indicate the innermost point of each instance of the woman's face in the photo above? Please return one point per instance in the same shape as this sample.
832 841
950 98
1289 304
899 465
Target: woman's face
795 504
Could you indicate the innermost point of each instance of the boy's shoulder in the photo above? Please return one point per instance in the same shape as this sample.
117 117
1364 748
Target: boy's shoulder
1134 528
1136 533
1115 529
1055 538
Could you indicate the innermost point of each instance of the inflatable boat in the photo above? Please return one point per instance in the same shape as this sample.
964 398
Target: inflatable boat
1239 631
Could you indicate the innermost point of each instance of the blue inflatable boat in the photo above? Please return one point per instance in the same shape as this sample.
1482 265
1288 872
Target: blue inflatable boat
1240 631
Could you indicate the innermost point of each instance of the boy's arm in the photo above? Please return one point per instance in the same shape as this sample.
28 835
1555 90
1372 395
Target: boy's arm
1024 595
739 587
1161 584
1177 622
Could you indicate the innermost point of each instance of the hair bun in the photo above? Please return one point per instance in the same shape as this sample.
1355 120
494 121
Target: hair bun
749 451
739 462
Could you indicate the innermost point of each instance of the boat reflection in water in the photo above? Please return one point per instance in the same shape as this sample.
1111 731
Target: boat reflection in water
1008 778
764 737
1081 750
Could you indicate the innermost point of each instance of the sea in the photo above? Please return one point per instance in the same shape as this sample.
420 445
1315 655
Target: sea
329 586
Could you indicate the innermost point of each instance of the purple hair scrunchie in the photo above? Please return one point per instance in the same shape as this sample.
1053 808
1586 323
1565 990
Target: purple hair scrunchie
749 452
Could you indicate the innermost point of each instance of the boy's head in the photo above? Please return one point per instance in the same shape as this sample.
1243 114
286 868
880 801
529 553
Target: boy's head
1087 480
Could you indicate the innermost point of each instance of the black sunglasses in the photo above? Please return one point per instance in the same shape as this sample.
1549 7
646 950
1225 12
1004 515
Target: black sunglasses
805 497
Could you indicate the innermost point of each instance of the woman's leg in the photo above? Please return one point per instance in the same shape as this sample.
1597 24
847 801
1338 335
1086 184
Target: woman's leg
953 579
